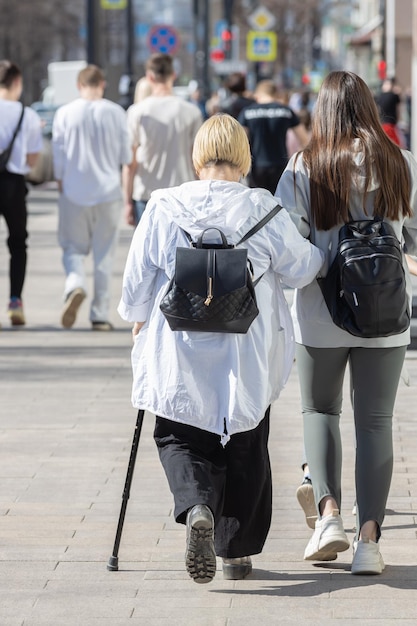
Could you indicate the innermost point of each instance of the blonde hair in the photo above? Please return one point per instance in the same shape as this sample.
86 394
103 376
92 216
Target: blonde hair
221 140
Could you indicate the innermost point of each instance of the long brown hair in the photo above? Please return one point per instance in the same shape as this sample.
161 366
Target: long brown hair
346 111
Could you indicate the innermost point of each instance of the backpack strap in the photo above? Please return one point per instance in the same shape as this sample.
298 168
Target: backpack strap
260 224
255 229
251 232
17 128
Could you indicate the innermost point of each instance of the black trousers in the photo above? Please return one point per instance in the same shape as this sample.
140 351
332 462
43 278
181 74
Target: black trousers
234 481
13 208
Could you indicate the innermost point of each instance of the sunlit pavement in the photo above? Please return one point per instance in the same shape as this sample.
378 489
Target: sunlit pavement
66 427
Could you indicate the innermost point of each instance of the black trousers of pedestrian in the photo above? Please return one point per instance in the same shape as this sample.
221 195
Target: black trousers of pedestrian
13 208
234 481
266 177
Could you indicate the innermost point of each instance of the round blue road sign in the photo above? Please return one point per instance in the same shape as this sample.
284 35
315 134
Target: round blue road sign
163 39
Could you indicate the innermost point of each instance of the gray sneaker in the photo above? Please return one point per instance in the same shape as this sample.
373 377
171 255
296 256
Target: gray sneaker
200 556
237 569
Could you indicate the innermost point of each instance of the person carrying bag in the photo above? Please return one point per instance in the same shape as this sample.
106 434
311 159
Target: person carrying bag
20 142
211 392
7 152
354 193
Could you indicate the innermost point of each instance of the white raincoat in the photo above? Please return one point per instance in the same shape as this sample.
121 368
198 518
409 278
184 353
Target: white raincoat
222 383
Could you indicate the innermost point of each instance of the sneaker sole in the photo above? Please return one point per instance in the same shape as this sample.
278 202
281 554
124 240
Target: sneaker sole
70 311
305 497
102 328
17 319
200 558
328 552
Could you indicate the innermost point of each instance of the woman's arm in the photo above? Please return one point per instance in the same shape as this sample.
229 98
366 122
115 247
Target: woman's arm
412 264
136 328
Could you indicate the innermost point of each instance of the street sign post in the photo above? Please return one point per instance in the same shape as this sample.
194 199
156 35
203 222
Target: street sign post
113 4
261 46
261 19
163 39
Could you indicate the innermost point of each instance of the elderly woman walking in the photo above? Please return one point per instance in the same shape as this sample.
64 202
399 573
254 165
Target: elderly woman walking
211 392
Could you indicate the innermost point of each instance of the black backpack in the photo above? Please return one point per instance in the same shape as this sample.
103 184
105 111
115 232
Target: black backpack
365 288
212 288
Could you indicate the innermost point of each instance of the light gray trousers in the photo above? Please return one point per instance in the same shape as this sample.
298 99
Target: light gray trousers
82 229
375 374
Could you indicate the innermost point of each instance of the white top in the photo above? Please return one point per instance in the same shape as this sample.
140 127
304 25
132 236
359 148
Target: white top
28 139
312 322
90 144
210 380
163 129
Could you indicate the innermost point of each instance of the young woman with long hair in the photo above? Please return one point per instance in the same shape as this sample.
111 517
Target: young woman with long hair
350 167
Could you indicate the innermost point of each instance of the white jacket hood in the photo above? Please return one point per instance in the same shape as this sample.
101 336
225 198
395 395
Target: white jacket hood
202 204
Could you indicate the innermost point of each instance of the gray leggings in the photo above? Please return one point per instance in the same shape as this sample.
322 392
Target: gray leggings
375 374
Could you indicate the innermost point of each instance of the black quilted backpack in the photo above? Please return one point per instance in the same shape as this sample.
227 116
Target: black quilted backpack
212 288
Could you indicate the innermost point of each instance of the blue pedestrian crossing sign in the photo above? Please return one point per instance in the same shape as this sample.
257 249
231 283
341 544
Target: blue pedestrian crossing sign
163 39
261 46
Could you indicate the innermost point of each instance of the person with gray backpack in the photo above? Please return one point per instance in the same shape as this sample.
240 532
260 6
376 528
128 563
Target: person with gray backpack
353 192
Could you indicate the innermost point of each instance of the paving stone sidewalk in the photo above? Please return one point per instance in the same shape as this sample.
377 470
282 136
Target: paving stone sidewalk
66 425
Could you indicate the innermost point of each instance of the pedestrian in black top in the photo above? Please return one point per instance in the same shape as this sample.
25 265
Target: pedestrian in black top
238 98
388 102
267 122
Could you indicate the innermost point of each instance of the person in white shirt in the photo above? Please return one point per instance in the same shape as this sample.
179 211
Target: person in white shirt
13 190
162 128
90 146
211 392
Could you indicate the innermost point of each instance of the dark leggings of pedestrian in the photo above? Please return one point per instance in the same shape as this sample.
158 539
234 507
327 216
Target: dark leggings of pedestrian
13 193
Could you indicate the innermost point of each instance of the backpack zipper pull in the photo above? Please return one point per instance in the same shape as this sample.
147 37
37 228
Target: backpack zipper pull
210 292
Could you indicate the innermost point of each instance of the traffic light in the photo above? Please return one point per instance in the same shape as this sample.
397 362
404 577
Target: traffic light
226 42
382 69
217 55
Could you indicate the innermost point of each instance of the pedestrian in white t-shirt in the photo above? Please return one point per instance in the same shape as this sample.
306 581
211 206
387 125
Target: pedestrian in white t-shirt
26 147
162 129
90 145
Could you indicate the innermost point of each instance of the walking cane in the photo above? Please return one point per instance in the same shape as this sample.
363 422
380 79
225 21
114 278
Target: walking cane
113 564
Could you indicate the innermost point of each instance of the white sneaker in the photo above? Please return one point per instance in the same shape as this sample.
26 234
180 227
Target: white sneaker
73 302
328 539
305 497
367 558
